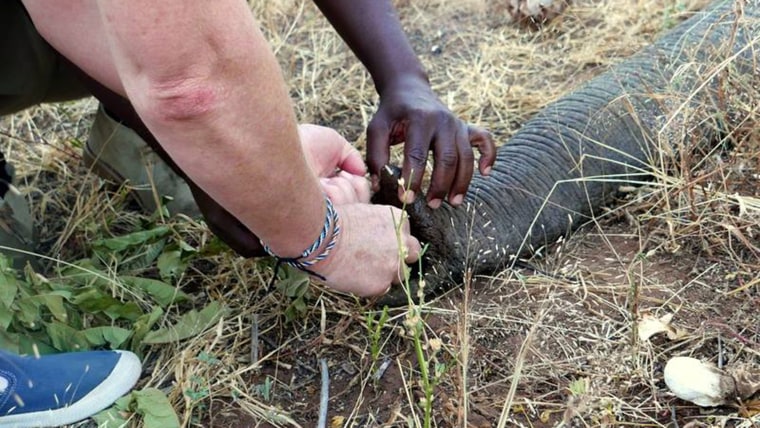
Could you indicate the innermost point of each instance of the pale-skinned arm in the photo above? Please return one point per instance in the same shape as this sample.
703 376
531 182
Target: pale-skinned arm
205 82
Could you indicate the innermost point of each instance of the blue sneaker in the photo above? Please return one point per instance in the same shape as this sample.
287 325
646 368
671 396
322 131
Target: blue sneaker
61 389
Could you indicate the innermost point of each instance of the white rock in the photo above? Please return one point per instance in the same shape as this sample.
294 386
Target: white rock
701 383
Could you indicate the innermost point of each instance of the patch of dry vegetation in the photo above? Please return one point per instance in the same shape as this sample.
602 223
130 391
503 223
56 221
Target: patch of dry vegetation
544 347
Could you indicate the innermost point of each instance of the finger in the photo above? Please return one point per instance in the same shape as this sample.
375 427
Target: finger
378 149
418 140
351 160
411 255
359 184
464 167
482 139
347 187
412 246
413 250
340 191
390 286
337 194
446 158
373 290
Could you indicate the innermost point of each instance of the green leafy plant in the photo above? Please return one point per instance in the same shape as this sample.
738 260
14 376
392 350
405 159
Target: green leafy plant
375 322
114 299
149 403
294 284
264 389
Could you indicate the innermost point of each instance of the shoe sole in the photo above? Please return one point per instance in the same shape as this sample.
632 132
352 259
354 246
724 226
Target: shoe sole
120 381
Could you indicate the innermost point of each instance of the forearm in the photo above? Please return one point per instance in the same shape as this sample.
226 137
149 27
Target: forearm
213 95
372 30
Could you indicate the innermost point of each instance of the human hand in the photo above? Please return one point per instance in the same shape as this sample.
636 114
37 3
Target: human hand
336 162
411 113
365 261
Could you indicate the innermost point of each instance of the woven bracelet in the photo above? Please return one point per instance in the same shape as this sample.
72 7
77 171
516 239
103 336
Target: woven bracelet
307 259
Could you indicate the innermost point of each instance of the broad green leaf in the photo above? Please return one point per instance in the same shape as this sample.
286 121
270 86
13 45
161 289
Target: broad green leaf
114 336
54 302
83 273
170 264
163 293
95 301
110 418
155 408
8 287
121 243
9 341
129 311
143 325
35 342
189 325
117 415
65 338
152 252
294 284
6 317
27 311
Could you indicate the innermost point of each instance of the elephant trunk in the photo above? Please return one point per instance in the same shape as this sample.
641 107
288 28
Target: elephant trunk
571 158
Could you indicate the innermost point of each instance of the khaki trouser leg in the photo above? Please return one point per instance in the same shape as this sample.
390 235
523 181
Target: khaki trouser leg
117 153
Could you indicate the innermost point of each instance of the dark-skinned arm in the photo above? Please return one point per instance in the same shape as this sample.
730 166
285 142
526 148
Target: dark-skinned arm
409 111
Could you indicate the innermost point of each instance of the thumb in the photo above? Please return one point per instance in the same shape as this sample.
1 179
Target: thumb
351 160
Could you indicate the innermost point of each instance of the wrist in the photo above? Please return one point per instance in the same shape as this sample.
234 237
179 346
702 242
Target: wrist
320 248
400 79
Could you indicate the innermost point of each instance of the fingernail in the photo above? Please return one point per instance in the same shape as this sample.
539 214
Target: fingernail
434 203
375 182
457 199
487 170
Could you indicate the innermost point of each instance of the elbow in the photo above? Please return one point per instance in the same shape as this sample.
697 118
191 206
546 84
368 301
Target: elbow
181 100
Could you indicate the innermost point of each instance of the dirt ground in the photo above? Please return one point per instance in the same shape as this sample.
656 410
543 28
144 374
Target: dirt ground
552 343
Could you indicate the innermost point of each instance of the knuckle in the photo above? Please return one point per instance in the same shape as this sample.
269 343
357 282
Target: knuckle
466 156
417 156
447 159
483 140
417 113
446 118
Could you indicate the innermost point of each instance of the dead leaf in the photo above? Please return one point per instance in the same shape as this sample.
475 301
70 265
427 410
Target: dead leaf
337 422
649 325
747 379
750 409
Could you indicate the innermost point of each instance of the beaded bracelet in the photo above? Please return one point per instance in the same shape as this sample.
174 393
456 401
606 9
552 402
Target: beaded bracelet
305 261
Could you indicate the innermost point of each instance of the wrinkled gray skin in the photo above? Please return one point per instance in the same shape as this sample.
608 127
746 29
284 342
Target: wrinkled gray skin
548 178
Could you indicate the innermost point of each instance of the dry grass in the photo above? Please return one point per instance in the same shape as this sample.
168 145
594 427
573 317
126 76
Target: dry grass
528 348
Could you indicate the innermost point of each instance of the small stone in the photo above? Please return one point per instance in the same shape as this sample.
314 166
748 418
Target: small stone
698 382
